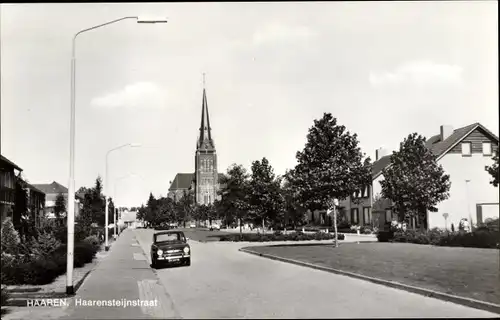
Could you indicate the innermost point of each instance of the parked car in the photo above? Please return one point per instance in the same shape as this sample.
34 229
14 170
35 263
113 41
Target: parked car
192 225
170 247
214 226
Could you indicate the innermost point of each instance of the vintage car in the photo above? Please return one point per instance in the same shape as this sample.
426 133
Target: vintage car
170 247
214 226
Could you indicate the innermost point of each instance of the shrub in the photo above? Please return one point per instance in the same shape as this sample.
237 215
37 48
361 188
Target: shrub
366 230
38 269
94 241
4 296
41 270
296 236
385 235
47 243
476 239
9 237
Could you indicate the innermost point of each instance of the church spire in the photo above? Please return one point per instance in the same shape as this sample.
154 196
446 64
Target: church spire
205 139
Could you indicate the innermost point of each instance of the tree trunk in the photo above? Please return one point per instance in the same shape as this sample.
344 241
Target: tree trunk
241 230
263 227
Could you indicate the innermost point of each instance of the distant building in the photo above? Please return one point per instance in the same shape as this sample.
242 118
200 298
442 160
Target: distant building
51 191
204 182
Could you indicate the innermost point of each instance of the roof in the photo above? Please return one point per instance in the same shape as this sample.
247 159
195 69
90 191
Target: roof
9 163
379 165
439 148
183 181
52 188
32 187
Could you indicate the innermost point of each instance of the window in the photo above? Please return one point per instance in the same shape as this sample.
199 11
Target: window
354 216
487 148
366 192
366 215
466 149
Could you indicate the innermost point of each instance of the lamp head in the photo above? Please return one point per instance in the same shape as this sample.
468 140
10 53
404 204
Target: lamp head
151 20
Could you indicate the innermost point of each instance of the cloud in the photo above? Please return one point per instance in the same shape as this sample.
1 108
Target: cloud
420 73
279 32
137 95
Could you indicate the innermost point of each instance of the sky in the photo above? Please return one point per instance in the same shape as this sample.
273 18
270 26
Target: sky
383 69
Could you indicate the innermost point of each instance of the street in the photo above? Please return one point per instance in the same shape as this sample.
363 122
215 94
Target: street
225 283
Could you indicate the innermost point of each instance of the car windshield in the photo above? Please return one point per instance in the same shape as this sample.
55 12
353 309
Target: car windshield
165 237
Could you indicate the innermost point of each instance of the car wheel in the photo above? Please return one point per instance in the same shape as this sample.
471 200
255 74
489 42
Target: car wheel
187 262
154 263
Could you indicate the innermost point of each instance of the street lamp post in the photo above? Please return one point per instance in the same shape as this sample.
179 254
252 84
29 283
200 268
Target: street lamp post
71 192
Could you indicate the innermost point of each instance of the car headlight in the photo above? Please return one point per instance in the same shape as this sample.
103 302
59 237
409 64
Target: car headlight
159 252
186 250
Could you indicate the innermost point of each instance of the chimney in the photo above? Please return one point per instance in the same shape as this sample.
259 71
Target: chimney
380 153
446 132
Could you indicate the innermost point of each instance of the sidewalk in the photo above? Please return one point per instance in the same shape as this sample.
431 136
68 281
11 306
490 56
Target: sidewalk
123 275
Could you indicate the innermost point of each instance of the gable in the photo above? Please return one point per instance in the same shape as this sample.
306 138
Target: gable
476 138
53 188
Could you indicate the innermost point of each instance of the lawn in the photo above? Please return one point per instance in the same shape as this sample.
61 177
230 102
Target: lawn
466 272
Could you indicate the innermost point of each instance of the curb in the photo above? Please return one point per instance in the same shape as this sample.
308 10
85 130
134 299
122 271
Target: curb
487 306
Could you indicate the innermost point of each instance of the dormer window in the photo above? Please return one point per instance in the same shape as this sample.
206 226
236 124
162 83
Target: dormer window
466 149
487 148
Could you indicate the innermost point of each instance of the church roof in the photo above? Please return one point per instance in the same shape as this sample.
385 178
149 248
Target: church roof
183 181
205 139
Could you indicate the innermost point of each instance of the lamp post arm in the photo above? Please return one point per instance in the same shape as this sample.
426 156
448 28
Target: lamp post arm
96 27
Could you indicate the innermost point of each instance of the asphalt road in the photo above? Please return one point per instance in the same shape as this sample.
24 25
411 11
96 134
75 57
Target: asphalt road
225 283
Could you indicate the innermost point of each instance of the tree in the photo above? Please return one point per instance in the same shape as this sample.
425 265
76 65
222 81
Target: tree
414 181
185 207
141 213
84 190
294 210
493 170
234 192
93 206
111 211
10 237
20 214
60 206
265 200
331 165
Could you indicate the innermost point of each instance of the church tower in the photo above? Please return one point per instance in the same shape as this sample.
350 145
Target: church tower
206 180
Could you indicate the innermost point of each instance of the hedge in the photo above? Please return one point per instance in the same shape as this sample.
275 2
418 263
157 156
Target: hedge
43 269
4 296
296 236
480 238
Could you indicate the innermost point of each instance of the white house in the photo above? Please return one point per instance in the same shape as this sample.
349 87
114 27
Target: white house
463 153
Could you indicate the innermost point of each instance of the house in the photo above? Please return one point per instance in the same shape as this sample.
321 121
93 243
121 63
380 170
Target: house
36 203
463 153
8 175
51 191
